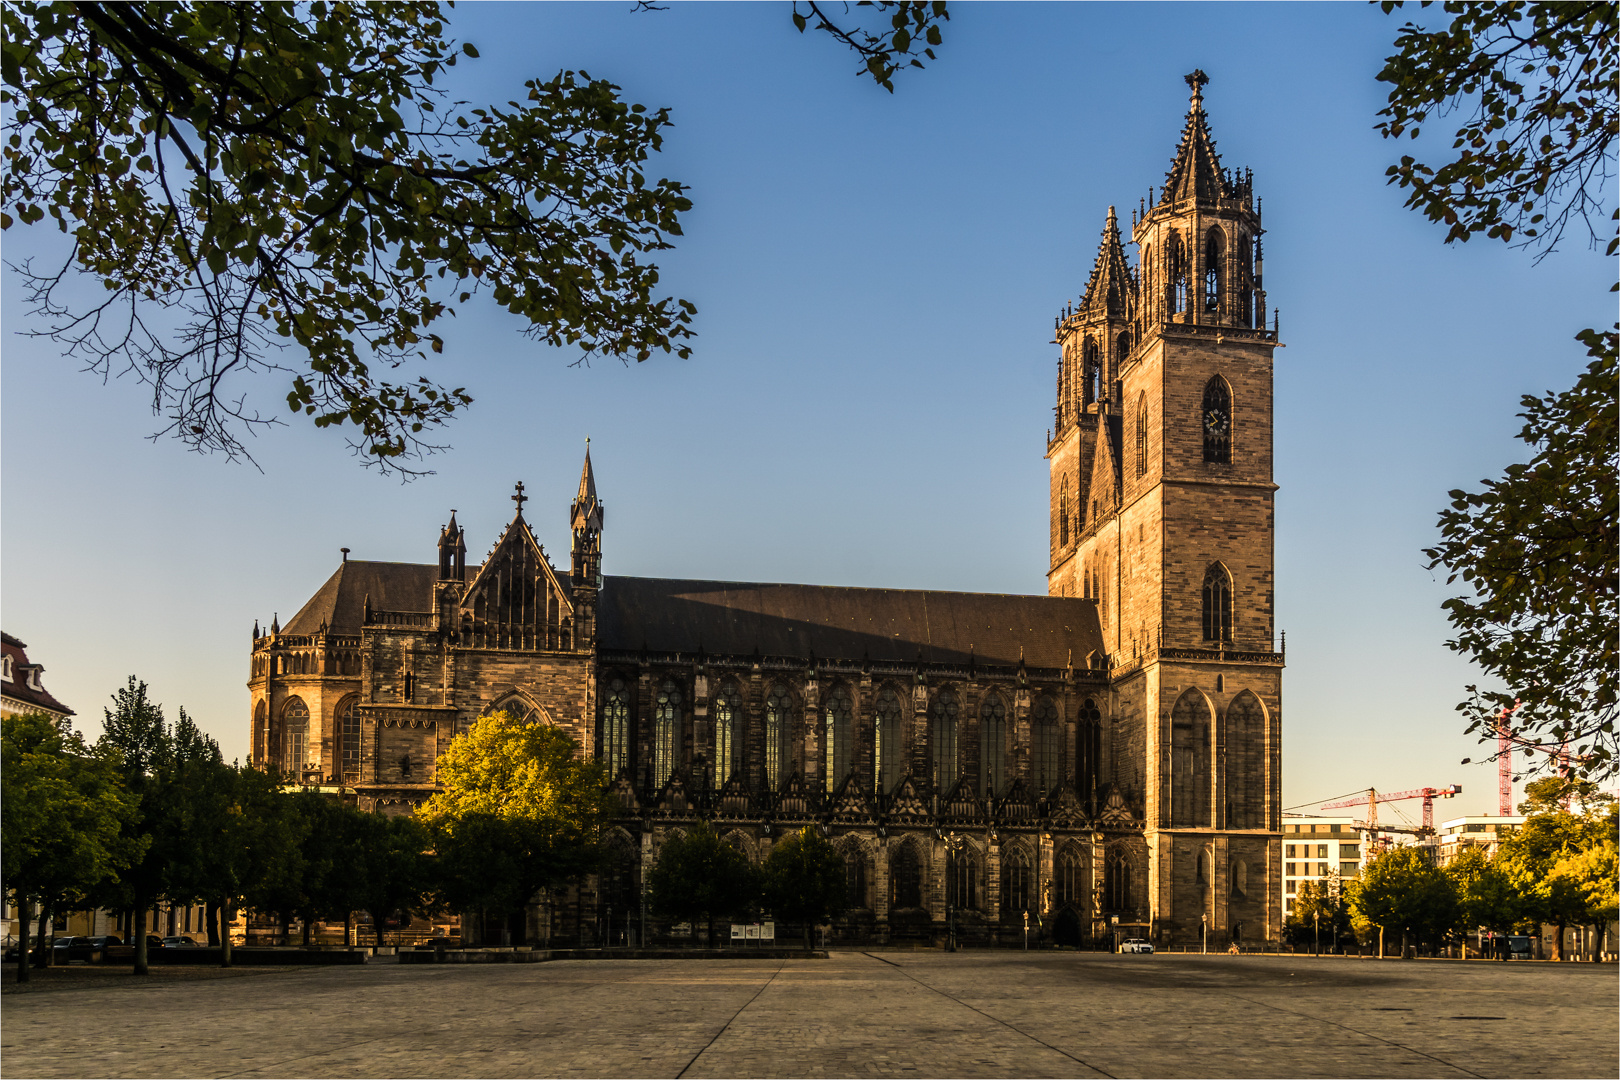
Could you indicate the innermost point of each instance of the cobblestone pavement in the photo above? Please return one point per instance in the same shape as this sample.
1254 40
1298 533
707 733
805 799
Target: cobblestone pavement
856 1014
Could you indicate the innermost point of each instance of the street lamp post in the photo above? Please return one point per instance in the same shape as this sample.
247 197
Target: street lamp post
1203 933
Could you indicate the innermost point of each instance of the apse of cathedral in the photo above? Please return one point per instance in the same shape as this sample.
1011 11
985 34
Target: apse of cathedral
1101 760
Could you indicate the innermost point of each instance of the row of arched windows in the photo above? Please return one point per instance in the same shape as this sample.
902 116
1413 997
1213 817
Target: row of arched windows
1192 751
964 880
1220 304
841 734
288 746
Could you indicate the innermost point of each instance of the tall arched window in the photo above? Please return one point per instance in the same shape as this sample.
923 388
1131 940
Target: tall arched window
1245 763
1141 435
295 735
1176 286
992 745
727 732
855 894
1217 603
1063 514
1122 351
946 715
1117 881
905 878
1016 884
261 727
1189 762
1214 270
778 735
1217 422
1093 392
666 732
1046 734
616 726
348 725
1069 888
1240 880
839 719
886 732
962 880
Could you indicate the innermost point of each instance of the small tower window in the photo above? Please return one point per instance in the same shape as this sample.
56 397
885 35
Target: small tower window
1122 350
1217 604
1093 389
1141 435
1176 289
1245 271
1063 514
1214 271
1217 422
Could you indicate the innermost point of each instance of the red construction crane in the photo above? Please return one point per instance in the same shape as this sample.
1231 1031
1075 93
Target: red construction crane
1373 798
1505 742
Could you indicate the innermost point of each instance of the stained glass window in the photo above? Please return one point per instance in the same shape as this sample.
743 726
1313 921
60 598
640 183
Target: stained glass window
946 716
992 745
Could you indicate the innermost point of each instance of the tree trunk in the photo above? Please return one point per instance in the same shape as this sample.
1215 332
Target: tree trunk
224 933
138 932
211 920
46 935
25 962
377 930
710 939
348 929
1558 942
307 924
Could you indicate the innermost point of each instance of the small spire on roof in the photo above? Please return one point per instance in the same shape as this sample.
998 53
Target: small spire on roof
275 624
345 554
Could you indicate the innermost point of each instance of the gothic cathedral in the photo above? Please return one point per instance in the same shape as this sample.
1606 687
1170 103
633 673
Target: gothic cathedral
1102 760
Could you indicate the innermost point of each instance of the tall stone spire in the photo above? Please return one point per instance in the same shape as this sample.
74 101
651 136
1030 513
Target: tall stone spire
1196 173
586 511
1111 290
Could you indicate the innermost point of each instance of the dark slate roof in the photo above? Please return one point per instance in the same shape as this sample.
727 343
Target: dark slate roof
341 602
738 618
670 615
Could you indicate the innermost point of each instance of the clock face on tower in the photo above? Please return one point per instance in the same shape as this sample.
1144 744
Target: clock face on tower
1217 423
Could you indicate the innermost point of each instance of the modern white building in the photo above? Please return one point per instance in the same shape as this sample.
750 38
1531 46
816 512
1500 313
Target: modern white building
1485 831
1319 849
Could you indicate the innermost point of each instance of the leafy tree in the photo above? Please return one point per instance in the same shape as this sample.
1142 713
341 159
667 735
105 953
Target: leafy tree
1538 550
804 879
1321 913
699 877
258 849
1548 839
523 789
1487 897
265 187
394 873
1400 890
1535 83
62 819
1592 873
135 737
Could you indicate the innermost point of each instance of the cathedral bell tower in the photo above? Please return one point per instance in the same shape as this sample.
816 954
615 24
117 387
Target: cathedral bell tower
585 522
1163 514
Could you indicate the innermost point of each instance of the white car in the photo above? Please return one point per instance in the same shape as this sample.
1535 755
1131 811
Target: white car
1136 945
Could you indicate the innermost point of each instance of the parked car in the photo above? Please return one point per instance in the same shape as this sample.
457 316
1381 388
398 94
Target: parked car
179 942
1136 945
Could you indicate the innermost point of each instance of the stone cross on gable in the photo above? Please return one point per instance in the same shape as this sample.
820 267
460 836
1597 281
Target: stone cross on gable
520 498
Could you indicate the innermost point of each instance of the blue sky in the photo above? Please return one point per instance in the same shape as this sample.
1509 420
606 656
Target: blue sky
876 278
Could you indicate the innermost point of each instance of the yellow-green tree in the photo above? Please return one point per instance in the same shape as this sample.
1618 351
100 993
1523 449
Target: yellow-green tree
520 811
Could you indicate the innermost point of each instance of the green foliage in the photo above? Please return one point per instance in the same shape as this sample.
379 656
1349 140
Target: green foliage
393 871
1401 891
700 878
1556 859
1321 914
1486 894
912 30
1538 550
64 814
289 186
520 811
1536 85
804 878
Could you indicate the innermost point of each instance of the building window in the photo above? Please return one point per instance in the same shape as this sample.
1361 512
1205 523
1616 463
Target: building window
886 732
1217 604
1141 435
855 879
778 735
1189 762
1240 880
1291 888
348 724
1070 885
840 731
1214 271
1289 853
666 732
1015 882
1245 282
962 884
1047 737
905 878
946 716
1245 763
1176 259
295 725
992 745
616 727
1063 514
1093 370
727 740
1117 881
1217 422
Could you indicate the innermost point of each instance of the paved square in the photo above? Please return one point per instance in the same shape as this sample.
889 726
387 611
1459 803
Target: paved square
857 1014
